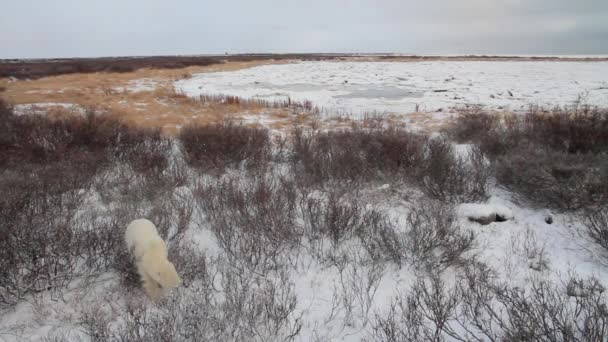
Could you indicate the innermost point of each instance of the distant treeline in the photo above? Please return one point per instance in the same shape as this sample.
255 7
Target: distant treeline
37 68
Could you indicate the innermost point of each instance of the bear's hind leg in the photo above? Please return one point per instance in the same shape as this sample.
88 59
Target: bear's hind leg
151 287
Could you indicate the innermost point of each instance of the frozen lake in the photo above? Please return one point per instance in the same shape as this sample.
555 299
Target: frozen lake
401 87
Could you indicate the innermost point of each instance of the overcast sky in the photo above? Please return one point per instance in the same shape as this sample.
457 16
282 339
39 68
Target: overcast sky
70 28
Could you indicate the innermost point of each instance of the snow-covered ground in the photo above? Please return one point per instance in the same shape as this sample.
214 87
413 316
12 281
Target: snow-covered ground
520 249
404 87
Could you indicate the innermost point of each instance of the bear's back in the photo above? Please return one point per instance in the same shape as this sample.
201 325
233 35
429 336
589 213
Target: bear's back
140 235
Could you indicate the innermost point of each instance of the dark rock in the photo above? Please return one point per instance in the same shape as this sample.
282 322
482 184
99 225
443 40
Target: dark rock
484 220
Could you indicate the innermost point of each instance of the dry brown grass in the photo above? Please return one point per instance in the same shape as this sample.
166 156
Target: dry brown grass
161 107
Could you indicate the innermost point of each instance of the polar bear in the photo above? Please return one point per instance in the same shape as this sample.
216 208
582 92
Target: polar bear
150 254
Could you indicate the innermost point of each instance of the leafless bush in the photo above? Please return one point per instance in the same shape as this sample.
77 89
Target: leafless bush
553 158
339 220
217 146
359 283
424 314
38 244
431 239
79 147
479 308
6 134
334 223
449 178
578 129
544 312
191 263
555 179
356 155
596 224
474 125
247 307
146 151
46 243
434 238
253 219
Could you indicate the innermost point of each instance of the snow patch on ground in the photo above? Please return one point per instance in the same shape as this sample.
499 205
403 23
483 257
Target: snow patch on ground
139 85
43 108
403 87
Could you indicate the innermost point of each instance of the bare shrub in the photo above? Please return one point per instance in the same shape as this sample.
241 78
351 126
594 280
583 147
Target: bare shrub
544 312
474 125
553 158
355 155
339 220
215 147
333 225
424 314
253 219
579 129
249 308
192 264
6 134
39 246
434 238
479 308
596 224
358 285
449 178
555 179
431 239
81 146
46 243
146 151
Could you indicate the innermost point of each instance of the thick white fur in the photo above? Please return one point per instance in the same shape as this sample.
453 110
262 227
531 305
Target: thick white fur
150 253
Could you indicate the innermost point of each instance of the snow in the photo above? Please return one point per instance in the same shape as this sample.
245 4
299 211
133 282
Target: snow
139 85
404 87
475 211
517 248
42 108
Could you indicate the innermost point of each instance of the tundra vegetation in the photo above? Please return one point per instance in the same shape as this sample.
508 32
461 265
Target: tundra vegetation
248 216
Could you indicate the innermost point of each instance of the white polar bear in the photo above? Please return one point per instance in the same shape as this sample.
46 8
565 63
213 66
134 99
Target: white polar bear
150 254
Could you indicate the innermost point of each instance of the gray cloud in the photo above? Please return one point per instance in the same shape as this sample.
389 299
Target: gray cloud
59 28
